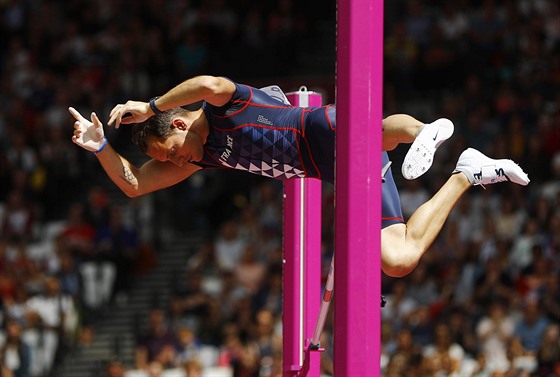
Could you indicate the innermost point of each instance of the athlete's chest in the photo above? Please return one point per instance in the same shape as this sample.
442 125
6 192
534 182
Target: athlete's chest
258 149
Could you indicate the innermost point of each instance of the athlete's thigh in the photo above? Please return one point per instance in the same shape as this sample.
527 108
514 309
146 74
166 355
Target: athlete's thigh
393 240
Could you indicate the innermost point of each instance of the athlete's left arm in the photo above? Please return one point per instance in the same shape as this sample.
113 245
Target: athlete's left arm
214 90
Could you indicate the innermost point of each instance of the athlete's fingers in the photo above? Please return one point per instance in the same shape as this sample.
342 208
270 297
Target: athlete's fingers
116 108
81 125
123 114
127 118
76 114
96 120
113 110
111 120
116 119
77 139
114 114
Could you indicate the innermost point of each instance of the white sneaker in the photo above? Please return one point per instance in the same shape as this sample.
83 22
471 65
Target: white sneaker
482 170
420 156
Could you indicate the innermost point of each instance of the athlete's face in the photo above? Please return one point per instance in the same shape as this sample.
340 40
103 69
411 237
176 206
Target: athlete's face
183 146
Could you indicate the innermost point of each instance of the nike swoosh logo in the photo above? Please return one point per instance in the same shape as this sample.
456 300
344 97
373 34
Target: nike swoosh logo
385 170
435 137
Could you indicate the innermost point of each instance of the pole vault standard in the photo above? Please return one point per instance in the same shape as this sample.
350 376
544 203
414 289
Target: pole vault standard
358 213
302 264
357 279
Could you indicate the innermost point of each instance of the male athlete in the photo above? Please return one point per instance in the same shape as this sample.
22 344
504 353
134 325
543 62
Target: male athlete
241 127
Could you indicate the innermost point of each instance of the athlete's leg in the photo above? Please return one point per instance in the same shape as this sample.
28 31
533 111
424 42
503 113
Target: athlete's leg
399 128
402 245
425 139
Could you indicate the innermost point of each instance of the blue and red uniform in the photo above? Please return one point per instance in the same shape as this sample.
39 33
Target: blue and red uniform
391 212
259 134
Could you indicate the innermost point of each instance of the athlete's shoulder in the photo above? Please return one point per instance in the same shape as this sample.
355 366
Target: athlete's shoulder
250 94
243 92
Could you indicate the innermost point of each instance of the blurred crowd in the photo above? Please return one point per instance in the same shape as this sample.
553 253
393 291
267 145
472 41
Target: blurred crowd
484 300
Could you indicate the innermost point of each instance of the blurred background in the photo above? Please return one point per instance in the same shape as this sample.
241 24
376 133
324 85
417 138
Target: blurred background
187 281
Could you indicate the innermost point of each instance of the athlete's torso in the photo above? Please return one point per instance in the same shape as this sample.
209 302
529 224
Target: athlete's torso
259 134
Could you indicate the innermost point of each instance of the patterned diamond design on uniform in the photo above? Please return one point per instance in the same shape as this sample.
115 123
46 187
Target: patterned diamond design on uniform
265 151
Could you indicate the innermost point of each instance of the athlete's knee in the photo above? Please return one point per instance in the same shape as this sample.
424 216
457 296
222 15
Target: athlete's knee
398 255
389 145
398 267
399 259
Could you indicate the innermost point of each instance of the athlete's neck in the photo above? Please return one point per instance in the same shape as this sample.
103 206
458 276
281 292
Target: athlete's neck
199 124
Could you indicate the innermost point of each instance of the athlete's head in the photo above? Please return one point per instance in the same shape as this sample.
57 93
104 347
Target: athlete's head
157 127
171 136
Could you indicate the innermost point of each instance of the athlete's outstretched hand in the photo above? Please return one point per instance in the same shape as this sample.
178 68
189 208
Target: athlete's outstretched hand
130 112
88 135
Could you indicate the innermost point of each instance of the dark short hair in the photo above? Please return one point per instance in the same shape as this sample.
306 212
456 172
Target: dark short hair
157 127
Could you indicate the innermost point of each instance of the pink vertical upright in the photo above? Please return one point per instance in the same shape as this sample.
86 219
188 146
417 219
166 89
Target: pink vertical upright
302 264
358 188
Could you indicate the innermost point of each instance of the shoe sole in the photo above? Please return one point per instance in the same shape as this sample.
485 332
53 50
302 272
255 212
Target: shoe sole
420 156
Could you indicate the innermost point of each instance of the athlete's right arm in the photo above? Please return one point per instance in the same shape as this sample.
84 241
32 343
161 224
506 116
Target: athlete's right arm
153 175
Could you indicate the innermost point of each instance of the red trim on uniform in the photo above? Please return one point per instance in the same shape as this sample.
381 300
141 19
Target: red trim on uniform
302 123
299 156
244 107
392 218
248 102
236 101
218 161
311 158
329 119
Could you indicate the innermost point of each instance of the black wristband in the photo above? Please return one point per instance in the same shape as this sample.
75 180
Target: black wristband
154 107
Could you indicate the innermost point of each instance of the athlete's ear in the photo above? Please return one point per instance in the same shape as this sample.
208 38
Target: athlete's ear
179 124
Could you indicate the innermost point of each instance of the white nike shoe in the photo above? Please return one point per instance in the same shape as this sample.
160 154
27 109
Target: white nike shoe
483 170
420 156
